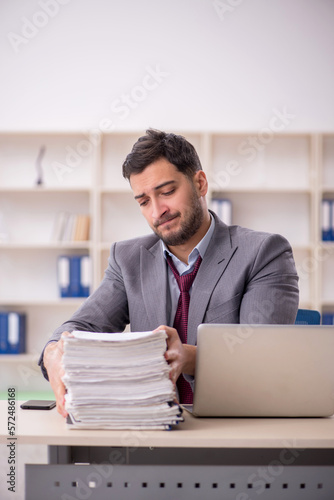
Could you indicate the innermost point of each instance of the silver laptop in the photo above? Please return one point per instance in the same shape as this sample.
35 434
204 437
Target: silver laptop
264 371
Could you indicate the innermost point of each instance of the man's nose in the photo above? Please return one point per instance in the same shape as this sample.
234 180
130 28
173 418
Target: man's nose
158 209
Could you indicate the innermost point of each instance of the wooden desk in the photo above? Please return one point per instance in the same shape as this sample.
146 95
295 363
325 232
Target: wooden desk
201 458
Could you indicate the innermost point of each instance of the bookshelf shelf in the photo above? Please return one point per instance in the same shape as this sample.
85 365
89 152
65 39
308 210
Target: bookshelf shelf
63 245
274 185
19 358
57 302
329 245
41 190
328 304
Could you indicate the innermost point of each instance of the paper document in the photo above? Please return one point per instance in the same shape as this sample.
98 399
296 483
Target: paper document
119 381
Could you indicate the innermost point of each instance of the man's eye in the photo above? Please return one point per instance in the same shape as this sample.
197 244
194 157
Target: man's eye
143 203
168 192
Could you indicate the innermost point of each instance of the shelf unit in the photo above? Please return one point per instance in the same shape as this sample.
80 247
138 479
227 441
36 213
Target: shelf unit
274 186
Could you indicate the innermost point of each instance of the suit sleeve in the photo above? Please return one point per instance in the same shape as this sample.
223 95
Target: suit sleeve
271 292
106 310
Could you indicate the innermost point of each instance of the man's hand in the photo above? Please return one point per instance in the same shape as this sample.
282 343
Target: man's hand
52 359
180 357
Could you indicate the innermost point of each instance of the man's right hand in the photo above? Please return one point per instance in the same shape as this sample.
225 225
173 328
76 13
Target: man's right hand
52 359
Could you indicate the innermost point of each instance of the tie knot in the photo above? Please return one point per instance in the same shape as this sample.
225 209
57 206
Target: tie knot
186 280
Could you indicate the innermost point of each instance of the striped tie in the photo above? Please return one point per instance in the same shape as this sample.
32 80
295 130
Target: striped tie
181 320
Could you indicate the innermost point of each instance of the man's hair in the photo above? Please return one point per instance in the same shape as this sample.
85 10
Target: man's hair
156 145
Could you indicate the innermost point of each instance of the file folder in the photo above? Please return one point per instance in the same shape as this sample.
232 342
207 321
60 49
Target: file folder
327 220
74 275
12 333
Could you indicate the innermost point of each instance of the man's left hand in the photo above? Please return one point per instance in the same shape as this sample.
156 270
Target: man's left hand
180 357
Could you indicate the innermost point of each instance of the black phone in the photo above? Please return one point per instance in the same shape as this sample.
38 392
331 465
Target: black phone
37 404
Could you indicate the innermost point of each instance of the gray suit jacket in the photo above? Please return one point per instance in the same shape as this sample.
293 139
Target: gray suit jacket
245 277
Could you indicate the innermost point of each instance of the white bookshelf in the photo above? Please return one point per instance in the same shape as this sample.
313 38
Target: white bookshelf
275 186
28 262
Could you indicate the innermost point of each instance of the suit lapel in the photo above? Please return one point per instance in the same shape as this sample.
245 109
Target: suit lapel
153 275
217 257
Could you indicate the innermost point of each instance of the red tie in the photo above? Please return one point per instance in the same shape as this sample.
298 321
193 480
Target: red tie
181 320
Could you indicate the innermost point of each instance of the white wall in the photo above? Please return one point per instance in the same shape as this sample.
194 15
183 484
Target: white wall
225 70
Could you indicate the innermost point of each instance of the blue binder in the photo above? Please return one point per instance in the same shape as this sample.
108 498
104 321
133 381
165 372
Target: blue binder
328 319
74 275
85 275
3 333
327 220
12 333
64 275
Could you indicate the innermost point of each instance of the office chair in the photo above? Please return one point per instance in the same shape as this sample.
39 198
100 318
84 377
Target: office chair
307 317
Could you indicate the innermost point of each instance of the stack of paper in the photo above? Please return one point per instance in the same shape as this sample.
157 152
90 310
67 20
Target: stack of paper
118 381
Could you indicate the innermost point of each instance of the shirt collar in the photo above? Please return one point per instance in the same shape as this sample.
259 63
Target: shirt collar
199 249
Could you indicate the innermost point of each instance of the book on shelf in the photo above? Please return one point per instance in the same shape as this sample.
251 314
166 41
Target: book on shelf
12 333
74 275
118 381
71 227
328 318
327 220
223 208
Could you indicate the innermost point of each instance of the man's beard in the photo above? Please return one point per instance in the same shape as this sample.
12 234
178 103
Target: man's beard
189 226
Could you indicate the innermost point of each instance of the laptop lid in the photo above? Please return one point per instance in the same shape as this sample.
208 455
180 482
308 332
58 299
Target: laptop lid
264 371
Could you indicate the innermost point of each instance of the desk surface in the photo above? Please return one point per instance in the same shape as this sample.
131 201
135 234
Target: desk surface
48 427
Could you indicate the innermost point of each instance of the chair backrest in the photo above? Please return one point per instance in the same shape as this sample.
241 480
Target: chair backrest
307 317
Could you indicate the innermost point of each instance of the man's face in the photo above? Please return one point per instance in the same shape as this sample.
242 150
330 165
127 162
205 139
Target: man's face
169 201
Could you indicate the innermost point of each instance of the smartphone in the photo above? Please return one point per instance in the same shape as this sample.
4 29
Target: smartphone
36 404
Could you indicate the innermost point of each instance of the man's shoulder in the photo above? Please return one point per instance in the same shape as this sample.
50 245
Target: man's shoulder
245 232
251 238
239 235
134 245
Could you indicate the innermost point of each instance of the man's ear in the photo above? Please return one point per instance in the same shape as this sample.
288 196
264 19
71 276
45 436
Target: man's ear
200 182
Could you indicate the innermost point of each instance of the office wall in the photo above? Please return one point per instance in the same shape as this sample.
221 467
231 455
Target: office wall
185 64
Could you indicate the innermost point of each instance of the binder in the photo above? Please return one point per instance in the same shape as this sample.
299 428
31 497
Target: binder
328 319
12 333
16 333
226 212
74 275
3 333
223 208
85 275
327 220
64 275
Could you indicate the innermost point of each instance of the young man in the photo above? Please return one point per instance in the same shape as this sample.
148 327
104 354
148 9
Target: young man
234 275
